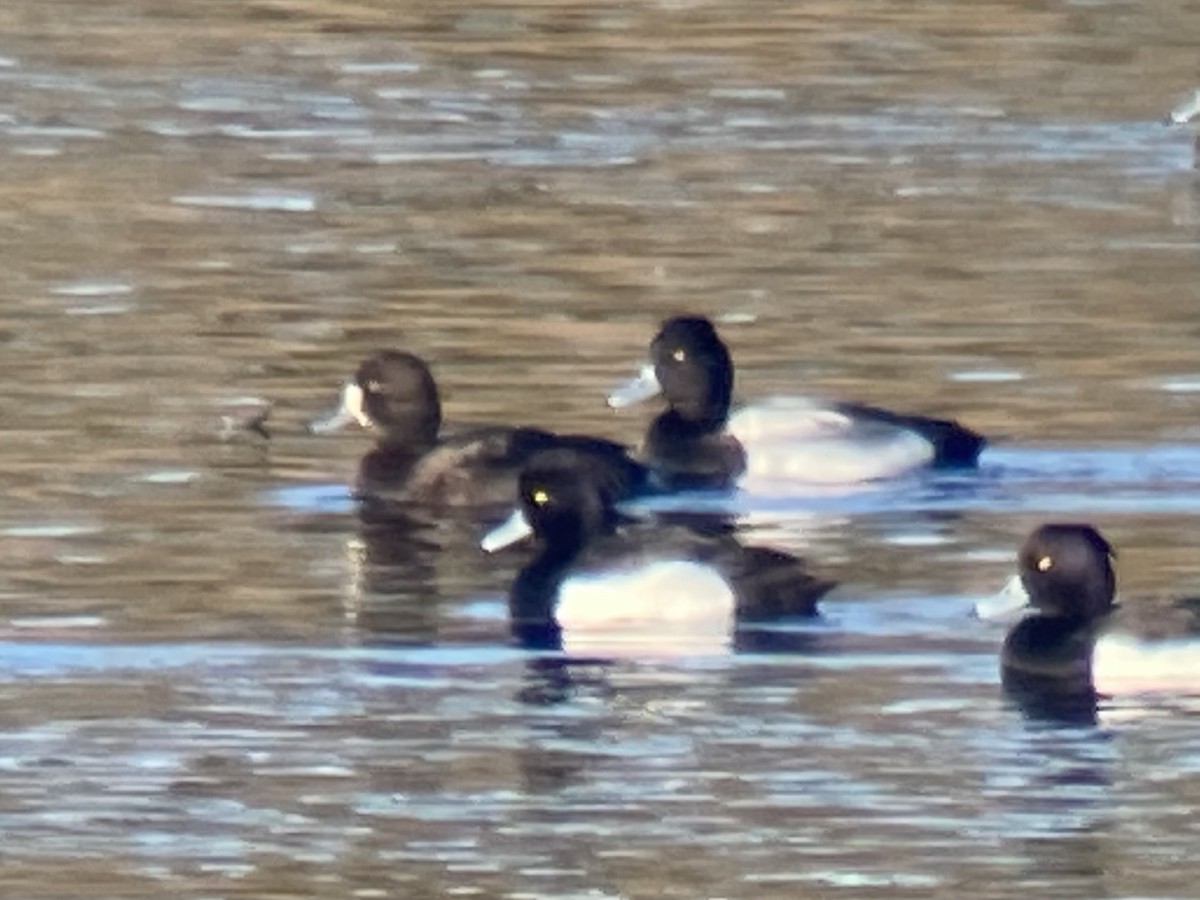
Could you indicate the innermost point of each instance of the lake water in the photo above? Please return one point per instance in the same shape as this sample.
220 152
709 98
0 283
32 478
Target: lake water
217 681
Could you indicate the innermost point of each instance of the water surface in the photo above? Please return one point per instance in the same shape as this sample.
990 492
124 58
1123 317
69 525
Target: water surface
219 682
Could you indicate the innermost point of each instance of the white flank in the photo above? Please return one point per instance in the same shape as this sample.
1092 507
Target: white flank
796 439
836 461
1123 665
793 418
664 608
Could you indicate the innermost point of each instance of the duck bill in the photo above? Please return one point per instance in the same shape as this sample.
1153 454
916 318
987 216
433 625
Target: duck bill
349 412
512 530
1009 603
644 386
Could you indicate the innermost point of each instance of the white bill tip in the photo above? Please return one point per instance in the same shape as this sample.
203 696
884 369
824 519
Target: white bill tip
349 411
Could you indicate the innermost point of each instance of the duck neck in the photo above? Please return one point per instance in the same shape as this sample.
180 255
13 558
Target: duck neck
691 454
415 435
410 422
535 591
707 409
671 423
1046 666
533 596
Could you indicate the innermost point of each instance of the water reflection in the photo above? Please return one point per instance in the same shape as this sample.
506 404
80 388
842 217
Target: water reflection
1052 699
394 588
1059 806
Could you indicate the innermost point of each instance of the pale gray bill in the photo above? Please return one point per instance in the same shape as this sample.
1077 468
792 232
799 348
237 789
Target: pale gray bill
513 529
1006 605
642 387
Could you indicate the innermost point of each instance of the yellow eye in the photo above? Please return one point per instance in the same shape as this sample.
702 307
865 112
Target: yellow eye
679 355
374 387
1045 564
540 497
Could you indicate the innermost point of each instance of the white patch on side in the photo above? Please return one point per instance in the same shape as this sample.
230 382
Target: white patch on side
642 387
1123 665
836 461
513 529
796 439
786 418
1006 606
663 608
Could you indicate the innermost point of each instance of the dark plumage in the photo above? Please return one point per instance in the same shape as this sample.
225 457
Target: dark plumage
1046 661
394 393
569 503
693 443
687 442
1049 659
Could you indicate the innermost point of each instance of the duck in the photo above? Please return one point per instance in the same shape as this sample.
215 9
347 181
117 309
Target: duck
1075 644
393 393
696 442
601 578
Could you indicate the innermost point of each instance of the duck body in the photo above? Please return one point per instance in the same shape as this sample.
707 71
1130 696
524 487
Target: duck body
596 575
479 466
698 442
394 393
1077 646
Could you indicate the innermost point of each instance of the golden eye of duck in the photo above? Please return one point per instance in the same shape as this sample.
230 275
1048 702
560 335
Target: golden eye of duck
540 497
679 355
374 387
1045 564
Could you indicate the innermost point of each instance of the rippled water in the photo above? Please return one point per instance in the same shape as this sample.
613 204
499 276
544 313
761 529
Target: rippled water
217 681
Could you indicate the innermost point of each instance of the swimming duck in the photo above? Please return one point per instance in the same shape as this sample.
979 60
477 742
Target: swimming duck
596 577
1077 645
394 393
696 443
